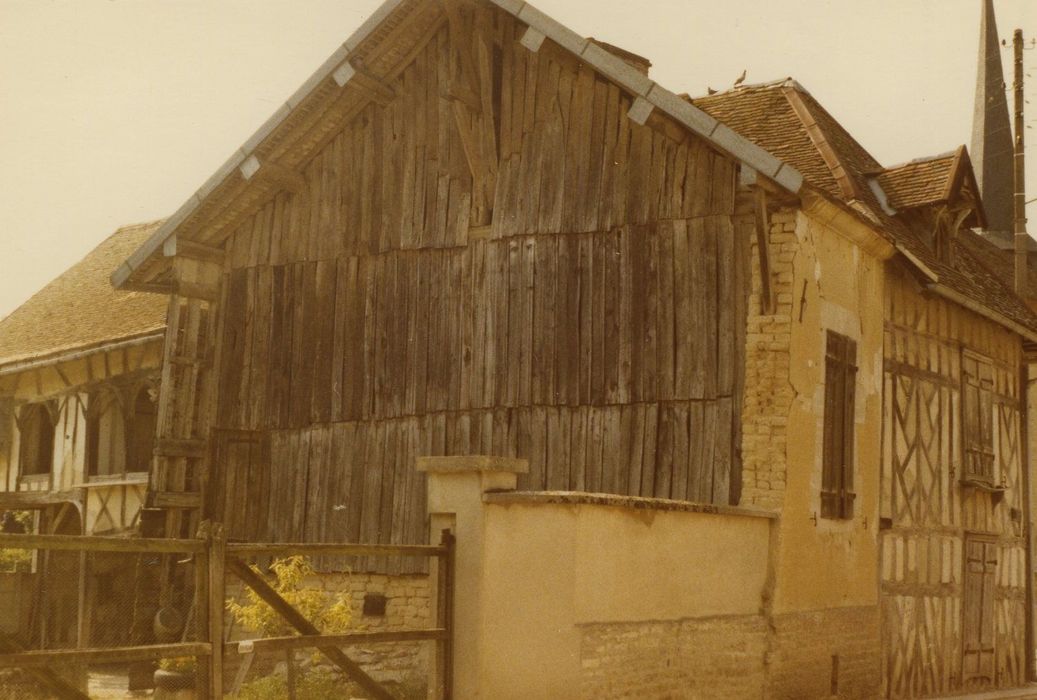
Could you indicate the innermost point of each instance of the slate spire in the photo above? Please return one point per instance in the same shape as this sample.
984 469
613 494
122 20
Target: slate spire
992 151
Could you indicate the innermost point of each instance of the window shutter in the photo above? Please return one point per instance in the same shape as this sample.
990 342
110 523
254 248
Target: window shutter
846 494
978 418
837 457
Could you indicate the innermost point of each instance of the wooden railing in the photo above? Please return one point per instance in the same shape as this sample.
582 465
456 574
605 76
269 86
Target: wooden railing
214 558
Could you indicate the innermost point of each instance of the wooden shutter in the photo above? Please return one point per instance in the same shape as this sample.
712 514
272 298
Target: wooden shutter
978 623
837 493
978 417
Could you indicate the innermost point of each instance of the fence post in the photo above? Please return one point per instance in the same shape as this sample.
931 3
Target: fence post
217 559
455 491
201 609
446 612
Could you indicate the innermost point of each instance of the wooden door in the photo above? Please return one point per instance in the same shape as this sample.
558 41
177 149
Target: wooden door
978 624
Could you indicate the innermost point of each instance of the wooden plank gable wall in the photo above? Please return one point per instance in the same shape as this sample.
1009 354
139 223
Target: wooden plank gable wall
587 313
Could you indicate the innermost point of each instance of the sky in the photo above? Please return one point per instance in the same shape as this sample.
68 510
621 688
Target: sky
115 111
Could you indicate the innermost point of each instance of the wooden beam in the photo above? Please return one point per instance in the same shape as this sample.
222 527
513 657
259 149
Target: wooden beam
54 657
250 549
177 246
60 518
377 90
272 173
182 500
269 644
152 287
763 250
93 543
284 178
300 623
172 447
13 500
190 290
216 557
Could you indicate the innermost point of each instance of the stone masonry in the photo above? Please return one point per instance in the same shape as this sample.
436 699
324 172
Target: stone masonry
718 657
768 393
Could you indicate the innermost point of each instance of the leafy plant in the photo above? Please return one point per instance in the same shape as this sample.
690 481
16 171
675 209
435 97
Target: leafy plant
178 664
12 560
312 684
329 612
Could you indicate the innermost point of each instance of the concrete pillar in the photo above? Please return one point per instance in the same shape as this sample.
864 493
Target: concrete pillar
455 489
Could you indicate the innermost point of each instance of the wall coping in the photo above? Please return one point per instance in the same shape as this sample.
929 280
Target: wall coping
630 502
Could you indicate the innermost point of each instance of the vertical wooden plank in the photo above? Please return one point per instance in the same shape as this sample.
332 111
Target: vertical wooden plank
723 455
322 343
214 634
614 336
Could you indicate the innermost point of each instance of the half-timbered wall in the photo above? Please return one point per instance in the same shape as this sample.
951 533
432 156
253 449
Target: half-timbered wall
109 503
927 513
594 325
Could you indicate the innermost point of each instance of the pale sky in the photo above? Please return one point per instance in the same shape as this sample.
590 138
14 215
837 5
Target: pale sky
115 111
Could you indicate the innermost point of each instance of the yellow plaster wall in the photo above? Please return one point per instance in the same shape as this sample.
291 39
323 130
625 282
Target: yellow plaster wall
549 587
552 570
822 281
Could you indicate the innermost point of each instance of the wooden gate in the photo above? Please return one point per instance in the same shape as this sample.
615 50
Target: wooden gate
212 558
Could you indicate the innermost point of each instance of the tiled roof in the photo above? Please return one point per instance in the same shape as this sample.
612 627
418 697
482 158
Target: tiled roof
786 120
918 183
81 309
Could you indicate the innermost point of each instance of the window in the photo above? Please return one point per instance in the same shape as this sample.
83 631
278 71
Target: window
120 431
105 434
837 460
141 432
977 406
36 450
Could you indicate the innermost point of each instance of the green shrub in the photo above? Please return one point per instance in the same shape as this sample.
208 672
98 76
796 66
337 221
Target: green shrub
312 684
330 613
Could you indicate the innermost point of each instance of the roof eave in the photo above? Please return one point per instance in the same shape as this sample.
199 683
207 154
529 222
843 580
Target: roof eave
612 67
48 359
983 310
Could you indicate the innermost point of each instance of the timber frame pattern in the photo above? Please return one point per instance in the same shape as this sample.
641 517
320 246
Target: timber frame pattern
942 634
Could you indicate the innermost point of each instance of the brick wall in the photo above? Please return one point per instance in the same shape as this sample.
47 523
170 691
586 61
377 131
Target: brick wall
804 644
718 657
768 393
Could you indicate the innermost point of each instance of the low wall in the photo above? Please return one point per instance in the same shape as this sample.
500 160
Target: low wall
563 595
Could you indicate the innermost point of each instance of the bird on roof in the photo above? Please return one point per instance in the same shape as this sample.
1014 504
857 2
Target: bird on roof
710 90
741 79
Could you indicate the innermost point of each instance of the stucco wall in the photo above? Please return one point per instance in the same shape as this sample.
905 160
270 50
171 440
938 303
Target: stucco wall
822 281
555 573
552 585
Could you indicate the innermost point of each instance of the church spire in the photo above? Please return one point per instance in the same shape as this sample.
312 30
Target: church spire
991 134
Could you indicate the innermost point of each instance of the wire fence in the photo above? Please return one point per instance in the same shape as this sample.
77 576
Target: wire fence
105 617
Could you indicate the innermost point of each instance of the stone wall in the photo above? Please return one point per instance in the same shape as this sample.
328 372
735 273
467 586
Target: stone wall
825 653
719 657
768 393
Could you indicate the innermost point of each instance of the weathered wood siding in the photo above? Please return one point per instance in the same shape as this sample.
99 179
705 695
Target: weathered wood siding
596 327
927 511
